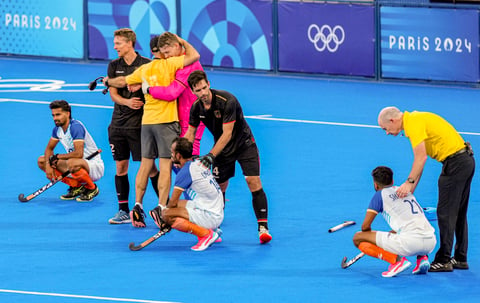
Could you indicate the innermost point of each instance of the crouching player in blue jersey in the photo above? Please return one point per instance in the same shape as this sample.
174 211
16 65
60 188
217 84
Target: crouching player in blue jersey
411 235
79 145
202 212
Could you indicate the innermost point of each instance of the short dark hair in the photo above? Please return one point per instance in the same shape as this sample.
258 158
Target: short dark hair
383 176
61 104
154 44
126 33
183 147
195 77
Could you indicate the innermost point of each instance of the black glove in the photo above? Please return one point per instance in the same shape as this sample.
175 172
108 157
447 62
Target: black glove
53 160
207 160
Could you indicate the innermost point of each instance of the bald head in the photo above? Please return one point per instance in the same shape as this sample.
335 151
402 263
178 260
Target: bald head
387 113
390 119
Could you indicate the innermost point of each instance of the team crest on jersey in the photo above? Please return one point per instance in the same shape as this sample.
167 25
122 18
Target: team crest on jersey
217 114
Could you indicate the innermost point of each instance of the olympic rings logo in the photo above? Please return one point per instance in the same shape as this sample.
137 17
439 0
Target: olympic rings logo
330 38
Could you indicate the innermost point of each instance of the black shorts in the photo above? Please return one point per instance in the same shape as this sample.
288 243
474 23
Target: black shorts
124 142
248 158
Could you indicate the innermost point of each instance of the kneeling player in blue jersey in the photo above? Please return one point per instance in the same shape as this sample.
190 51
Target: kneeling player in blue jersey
411 235
202 212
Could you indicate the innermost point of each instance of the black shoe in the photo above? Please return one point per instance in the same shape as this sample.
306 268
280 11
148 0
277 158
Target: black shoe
87 195
440 267
156 215
138 216
72 193
459 264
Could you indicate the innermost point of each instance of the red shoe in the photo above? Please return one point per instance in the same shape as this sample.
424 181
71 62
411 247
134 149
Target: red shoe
264 235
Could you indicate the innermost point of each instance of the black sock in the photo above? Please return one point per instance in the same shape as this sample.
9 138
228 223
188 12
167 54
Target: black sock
154 181
123 191
260 206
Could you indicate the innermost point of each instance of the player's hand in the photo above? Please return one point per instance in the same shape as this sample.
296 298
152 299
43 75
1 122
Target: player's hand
50 172
134 87
405 189
53 160
135 103
207 160
145 87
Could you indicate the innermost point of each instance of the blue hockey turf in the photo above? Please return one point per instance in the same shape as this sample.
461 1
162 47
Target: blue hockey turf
318 141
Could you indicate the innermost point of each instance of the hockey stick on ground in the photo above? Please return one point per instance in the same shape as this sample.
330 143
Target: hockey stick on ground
162 232
348 263
22 198
340 226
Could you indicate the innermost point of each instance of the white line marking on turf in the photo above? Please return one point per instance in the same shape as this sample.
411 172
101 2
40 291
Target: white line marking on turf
268 117
48 102
22 292
257 117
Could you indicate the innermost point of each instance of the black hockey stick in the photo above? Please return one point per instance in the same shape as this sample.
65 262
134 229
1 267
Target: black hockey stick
22 198
162 232
348 263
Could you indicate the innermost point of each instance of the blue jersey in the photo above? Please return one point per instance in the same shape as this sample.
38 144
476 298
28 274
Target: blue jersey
199 185
75 131
404 215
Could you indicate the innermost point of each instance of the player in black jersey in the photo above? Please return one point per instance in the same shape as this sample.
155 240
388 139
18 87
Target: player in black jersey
222 114
124 129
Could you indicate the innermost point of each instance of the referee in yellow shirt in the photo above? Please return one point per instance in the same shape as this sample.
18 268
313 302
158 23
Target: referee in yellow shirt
431 135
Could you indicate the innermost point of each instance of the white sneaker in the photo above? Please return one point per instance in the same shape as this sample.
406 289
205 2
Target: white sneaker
396 268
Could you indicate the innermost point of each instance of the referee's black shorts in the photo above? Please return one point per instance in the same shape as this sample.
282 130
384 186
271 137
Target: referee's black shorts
125 141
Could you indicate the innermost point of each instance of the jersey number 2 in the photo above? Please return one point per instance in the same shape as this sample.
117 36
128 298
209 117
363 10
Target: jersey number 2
414 204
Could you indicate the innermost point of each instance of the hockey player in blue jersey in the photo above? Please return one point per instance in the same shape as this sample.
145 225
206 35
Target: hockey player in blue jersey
79 145
411 234
201 213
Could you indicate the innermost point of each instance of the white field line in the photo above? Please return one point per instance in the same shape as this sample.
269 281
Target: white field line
257 117
22 292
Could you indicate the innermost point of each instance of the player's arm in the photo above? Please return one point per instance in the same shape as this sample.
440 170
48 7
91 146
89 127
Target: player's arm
175 197
190 134
419 160
191 54
49 170
117 82
133 103
167 93
369 217
224 138
76 153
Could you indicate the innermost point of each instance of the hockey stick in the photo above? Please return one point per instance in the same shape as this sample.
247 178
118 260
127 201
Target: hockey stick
348 263
340 226
22 198
162 232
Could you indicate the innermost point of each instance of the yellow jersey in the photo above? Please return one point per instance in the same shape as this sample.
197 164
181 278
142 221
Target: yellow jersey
440 137
159 72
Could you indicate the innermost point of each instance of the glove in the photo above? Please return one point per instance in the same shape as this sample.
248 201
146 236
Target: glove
207 160
53 160
145 87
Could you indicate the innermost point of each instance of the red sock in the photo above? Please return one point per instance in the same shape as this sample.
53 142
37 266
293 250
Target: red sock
377 252
84 178
188 227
